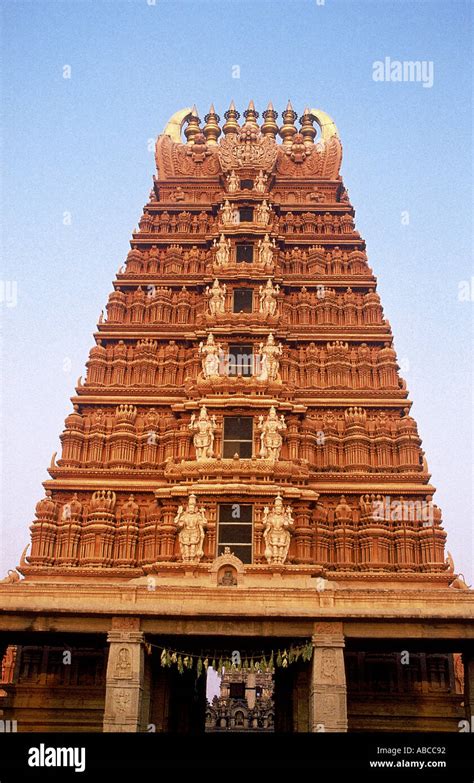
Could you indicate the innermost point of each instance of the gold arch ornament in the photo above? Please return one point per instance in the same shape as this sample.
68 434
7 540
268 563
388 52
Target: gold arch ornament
174 126
326 124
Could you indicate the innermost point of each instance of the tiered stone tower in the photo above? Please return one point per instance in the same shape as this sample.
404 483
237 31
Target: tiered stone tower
243 419
244 355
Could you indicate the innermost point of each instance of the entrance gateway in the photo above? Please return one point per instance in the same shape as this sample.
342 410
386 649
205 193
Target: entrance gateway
241 486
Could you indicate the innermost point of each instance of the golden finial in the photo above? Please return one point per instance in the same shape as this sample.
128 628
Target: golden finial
251 115
211 129
288 130
307 130
231 125
270 127
193 127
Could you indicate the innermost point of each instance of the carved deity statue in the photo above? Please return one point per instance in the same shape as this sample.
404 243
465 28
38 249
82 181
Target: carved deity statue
265 251
270 438
269 354
216 298
203 428
260 182
210 353
191 523
229 214
276 534
262 213
268 298
223 251
233 182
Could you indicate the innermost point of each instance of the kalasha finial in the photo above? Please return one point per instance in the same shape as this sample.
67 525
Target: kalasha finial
193 127
307 130
211 129
251 115
288 130
270 127
231 125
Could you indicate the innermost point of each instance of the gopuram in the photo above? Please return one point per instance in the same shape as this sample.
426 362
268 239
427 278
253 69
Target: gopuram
241 485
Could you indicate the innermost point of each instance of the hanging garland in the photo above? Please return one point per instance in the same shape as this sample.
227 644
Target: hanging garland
235 661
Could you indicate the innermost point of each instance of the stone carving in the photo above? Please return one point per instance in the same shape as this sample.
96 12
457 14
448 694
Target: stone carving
103 500
222 251
229 214
260 183
179 194
343 512
71 510
324 628
270 438
122 701
269 354
123 666
328 706
191 523
203 427
233 183
216 297
276 533
265 249
197 160
228 577
11 578
211 353
268 298
262 213
247 148
126 623
324 161
328 663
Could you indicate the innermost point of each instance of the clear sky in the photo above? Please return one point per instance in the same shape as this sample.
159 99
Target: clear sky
77 168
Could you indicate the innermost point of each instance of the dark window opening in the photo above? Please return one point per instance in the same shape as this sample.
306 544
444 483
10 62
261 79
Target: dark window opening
243 300
240 360
232 517
246 214
245 253
237 690
246 184
238 437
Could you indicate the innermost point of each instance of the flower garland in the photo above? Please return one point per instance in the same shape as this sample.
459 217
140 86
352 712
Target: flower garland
247 662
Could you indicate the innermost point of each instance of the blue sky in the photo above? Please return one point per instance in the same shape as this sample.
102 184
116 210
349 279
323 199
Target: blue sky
81 146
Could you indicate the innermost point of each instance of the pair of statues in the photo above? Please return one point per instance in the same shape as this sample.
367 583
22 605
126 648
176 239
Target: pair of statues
259 185
267 298
204 426
265 250
192 521
267 365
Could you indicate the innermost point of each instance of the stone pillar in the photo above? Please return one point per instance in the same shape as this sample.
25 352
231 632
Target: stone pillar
328 692
250 689
125 683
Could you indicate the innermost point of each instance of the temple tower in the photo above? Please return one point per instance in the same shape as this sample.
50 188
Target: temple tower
243 430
